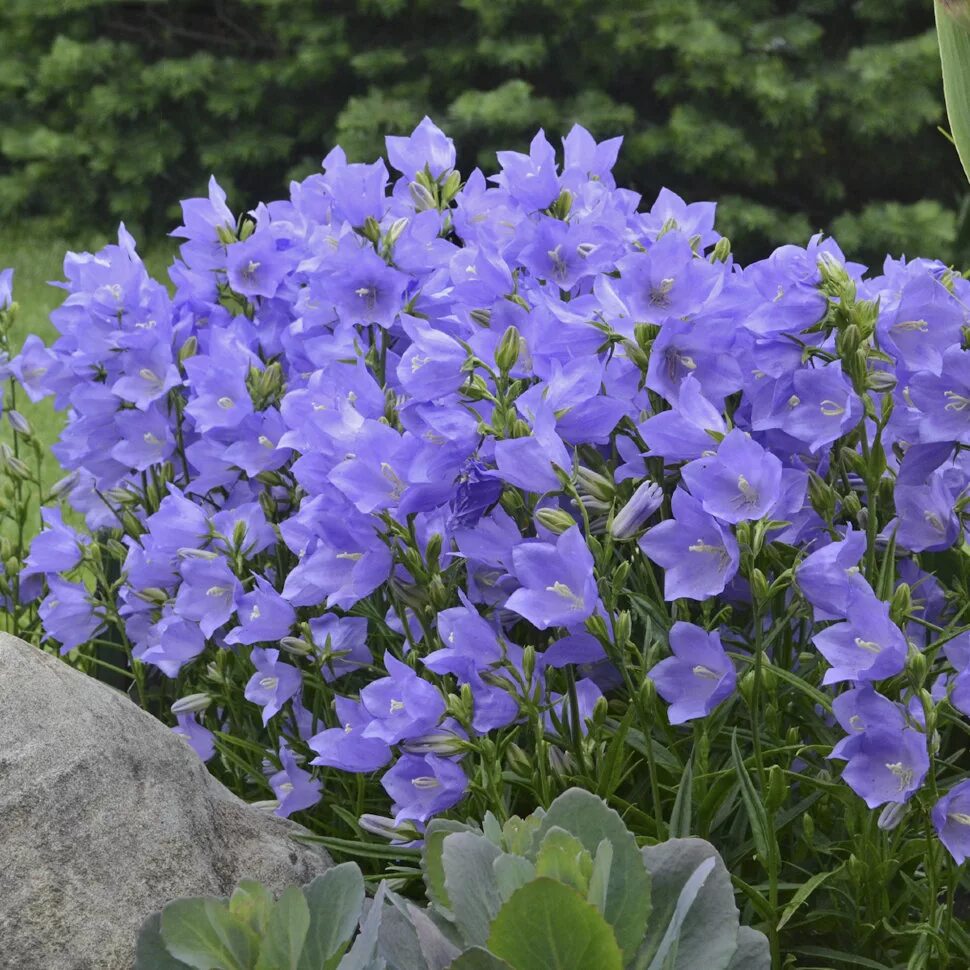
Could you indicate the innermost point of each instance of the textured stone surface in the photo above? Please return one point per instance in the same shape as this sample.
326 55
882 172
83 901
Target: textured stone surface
105 815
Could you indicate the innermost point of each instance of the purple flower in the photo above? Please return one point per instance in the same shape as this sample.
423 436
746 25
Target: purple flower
829 576
699 555
274 682
742 481
951 819
401 705
170 644
697 677
68 615
295 788
263 614
558 581
208 593
683 432
867 646
478 490
342 641
200 738
255 267
6 288
884 765
55 550
426 146
345 747
424 786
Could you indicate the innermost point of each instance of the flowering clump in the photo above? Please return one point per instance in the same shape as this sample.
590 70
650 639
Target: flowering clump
449 478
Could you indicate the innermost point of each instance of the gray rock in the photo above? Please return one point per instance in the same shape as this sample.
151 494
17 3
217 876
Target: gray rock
105 815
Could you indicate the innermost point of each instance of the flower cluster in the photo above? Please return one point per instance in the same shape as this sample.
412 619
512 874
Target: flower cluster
408 462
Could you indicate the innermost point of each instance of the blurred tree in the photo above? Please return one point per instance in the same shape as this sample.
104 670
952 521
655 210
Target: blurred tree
796 115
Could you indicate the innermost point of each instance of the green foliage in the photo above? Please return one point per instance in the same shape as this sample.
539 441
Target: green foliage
565 889
802 117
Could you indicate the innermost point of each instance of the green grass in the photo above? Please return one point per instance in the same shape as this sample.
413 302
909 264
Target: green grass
37 257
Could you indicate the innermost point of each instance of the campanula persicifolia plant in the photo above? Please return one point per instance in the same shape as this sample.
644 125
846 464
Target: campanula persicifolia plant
427 494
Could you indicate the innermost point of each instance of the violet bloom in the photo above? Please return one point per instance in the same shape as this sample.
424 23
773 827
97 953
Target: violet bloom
255 267
643 503
477 491
67 614
170 644
587 694
295 788
700 555
424 786
867 646
345 747
884 765
263 614
697 677
927 521
401 705
274 682
342 642
830 575
6 288
742 481
558 581
682 433
951 819
55 550
208 593
201 739
426 147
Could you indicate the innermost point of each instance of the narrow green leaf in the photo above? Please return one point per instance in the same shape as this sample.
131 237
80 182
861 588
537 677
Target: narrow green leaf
954 38
548 926
757 816
806 890
680 816
847 959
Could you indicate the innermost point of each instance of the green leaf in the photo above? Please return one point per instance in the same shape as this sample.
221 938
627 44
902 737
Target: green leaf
150 952
251 903
548 926
591 820
362 955
954 38
431 864
511 873
599 881
471 884
803 893
335 901
479 959
286 930
753 952
201 932
757 816
562 857
680 815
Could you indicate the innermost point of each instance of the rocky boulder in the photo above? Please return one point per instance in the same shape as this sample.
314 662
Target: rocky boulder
105 815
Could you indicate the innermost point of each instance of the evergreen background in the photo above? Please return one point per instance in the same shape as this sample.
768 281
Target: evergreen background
795 116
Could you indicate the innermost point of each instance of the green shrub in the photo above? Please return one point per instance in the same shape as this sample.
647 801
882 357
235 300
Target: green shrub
567 888
811 115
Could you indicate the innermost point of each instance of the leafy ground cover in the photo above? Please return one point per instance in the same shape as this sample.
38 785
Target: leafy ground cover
425 495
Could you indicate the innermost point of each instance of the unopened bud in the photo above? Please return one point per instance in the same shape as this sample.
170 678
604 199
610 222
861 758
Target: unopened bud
188 349
556 521
421 197
64 485
387 828
916 664
892 815
644 502
482 317
152 594
777 789
19 423
437 742
595 484
902 604
295 647
722 249
507 354
193 703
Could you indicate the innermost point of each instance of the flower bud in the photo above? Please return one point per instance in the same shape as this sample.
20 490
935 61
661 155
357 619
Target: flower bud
645 501
519 762
152 594
188 349
450 187
64 485
436 742
482 317
916 664
266 805
507 354
394 233
777 789
722 249
902 604
295 647
892 815
557 521
421 197
386 828
19 423
595 484
192 703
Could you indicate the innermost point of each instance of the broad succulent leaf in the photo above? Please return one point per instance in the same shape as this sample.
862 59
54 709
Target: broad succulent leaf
562 857
628 893
364 954
150 951
471 884
201 932
547 925
286 931
511 873
335 900
708 926
478 958
251 902
431 863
